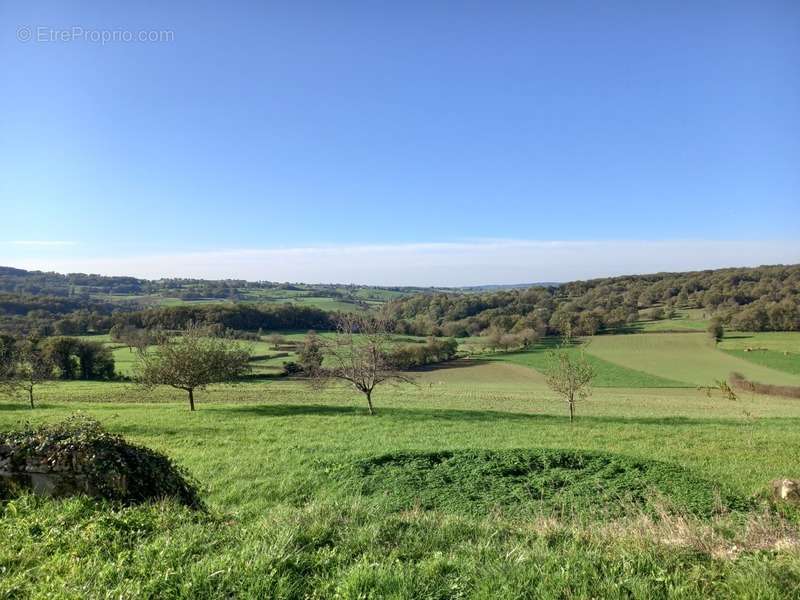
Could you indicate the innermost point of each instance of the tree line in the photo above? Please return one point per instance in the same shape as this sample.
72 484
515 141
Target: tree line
25 363
244 317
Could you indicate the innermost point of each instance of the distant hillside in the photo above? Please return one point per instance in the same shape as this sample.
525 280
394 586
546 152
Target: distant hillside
510 286
171 291
750 299
75 303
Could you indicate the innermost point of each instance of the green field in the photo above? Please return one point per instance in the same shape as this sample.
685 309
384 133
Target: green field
608 374
689 319
775 350
265 359
308 497
690 358
329 298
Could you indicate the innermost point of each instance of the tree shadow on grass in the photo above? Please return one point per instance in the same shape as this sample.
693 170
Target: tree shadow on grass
451 365
11 406
455 415
24 406
291 410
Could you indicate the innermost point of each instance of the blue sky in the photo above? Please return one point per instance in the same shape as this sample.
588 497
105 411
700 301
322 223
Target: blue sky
414 143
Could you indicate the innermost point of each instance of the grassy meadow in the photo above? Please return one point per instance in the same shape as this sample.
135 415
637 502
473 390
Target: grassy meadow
686 319
691 358
308 497
775 350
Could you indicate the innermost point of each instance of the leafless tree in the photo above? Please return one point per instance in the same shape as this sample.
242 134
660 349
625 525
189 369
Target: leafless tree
359 354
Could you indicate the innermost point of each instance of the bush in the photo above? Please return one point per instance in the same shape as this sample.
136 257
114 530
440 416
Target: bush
291 367
409 356
78 456
715 330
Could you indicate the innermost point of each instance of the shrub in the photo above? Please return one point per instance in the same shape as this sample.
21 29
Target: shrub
78 455
715 330
409 356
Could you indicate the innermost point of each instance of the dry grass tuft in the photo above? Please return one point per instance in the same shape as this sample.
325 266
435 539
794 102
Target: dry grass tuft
721 537
739 382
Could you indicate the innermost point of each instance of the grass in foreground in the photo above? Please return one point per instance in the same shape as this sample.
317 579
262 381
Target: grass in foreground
281 523
81 549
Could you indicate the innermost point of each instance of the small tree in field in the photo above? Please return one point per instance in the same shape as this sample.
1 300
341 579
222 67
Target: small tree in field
311 354
359 355
24 367
528 337
494 339
570 376
276 339
191 362
715 330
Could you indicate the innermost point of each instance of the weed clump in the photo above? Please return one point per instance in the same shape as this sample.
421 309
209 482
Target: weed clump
529 482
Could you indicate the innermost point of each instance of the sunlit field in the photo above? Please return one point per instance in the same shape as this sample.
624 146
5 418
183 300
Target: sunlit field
283 522
691 358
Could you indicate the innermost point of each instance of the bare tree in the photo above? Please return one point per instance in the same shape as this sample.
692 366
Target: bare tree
359 354
125 334
569 375
192 361
494 338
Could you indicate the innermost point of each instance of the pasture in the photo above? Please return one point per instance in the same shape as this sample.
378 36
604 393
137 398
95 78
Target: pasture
686 319
691 358
775 350
308 497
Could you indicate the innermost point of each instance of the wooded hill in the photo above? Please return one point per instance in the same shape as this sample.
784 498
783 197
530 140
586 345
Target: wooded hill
752 299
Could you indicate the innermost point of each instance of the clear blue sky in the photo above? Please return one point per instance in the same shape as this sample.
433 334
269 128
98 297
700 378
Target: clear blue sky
270 125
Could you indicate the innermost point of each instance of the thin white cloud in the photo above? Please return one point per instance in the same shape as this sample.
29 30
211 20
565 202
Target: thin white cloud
40 243
438 264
